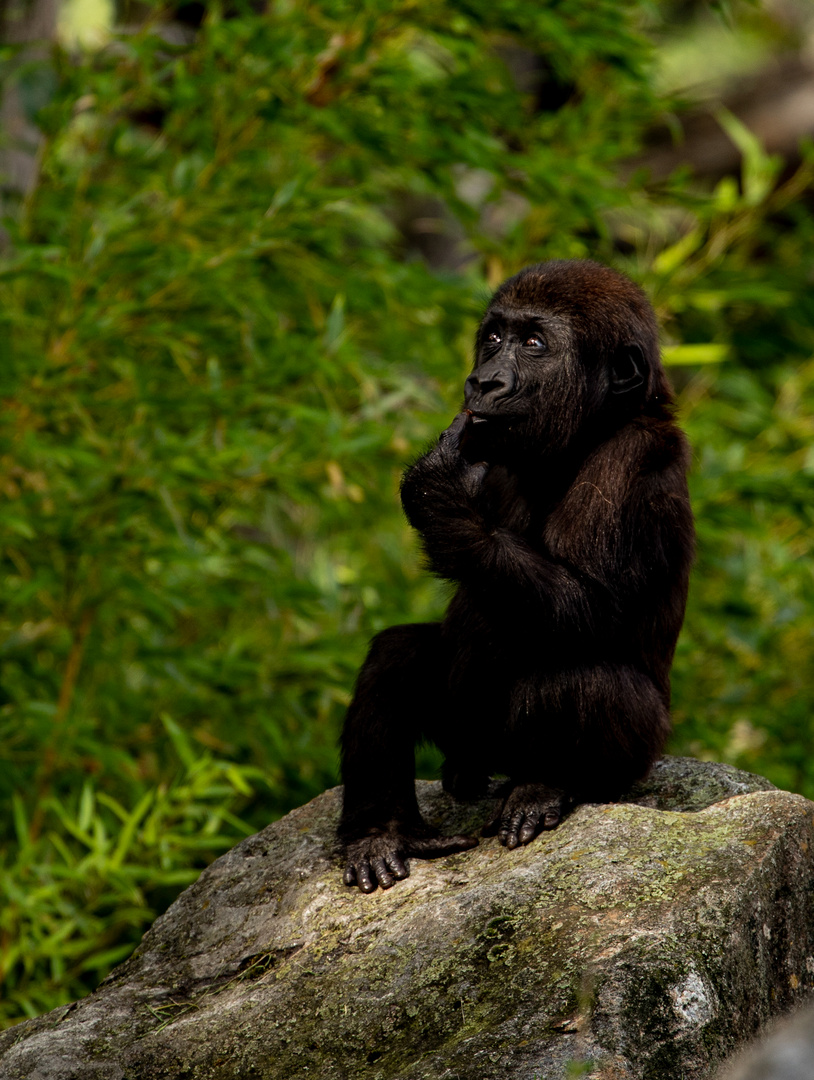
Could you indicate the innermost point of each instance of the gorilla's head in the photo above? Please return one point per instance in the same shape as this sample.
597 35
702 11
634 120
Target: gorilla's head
566 349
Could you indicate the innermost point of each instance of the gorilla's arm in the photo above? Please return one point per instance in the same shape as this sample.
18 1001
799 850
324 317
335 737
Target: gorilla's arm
618 537
440 495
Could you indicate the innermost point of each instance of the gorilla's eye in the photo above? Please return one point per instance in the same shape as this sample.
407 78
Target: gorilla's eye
493 338
534 342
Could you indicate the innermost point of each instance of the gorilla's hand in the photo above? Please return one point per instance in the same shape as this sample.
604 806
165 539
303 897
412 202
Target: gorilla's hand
453 453
444 480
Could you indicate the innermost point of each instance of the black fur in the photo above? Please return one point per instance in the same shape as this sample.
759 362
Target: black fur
557 501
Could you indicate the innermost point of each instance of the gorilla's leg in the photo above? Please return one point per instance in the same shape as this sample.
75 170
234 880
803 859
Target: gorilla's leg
624 724
400 697
594 733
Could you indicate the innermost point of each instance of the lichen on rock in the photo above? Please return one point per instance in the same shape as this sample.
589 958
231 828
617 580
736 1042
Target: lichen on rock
643 939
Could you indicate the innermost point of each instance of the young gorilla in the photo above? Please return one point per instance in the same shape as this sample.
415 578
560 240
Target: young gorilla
557 500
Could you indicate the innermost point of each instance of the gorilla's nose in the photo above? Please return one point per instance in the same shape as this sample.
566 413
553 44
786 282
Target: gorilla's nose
488 385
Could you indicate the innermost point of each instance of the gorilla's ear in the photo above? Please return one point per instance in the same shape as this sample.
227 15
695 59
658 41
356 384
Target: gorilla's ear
628 369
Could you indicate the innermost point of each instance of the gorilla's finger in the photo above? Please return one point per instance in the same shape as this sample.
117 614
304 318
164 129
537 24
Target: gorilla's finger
367 882
510 828
531 826
383 875
450 440
400 870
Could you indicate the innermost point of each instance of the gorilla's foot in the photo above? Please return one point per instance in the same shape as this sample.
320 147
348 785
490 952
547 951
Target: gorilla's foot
526 811
380 860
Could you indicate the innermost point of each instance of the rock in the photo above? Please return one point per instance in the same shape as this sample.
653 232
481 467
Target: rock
786 1054
646 941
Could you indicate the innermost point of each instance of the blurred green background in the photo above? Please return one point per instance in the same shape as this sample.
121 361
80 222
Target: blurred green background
245 249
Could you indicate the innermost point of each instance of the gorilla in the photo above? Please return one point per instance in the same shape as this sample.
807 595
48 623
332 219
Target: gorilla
557 502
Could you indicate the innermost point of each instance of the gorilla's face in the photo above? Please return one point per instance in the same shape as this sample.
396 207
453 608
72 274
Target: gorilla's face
526 389
562 348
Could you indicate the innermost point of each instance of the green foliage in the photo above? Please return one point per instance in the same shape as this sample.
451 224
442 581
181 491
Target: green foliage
219 349
743 676
86 873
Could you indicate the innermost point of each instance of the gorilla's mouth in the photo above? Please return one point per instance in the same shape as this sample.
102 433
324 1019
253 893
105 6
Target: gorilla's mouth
493 418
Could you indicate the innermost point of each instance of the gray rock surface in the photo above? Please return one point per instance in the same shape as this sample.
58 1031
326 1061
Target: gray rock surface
787 1052
638 940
